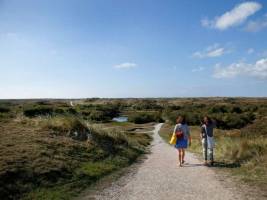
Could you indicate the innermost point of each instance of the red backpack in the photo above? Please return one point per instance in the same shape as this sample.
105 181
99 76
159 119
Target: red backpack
179 134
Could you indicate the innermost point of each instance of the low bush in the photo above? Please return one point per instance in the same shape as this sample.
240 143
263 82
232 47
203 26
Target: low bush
4 110
218 109
38 111
72 111
47 110
99 113
67 126
192 118
233 120
98 116
236 109
141 118
146 104
59 111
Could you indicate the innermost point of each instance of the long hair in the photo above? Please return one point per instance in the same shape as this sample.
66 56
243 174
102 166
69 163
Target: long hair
181 119
208 119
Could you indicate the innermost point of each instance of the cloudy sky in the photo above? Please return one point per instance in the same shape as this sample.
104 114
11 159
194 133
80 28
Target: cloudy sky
132 48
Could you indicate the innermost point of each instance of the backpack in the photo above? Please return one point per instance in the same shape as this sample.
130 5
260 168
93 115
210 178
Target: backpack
179 134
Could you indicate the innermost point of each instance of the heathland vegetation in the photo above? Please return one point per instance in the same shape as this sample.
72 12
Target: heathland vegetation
53 149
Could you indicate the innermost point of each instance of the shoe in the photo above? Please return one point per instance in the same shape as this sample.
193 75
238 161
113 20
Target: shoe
183 162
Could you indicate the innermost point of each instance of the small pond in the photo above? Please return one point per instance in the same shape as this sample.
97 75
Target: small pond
120 119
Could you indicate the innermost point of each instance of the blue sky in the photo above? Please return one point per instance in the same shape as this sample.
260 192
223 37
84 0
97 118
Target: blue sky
132 48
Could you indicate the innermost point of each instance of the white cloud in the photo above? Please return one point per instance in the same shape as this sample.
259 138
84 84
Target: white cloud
214 50
250 51
257 70
198 69
234 17
256 25
126 65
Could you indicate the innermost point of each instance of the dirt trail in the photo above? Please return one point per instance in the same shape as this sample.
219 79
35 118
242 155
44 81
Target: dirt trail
160 178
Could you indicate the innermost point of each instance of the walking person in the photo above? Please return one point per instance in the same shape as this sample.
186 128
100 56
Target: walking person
183 138
207 140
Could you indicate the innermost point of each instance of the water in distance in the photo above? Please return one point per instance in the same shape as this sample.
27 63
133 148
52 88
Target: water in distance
120 119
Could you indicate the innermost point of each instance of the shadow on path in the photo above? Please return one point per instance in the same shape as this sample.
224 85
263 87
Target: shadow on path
215 165
226 165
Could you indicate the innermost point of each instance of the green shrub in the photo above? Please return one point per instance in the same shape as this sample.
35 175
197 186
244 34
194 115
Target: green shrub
192 118
99 113
85 113
233 120
67 126
72 111
236 109
218 109
141 118
44 109
170 116
146 104
38 111
4 110
59 111
173 107
99 116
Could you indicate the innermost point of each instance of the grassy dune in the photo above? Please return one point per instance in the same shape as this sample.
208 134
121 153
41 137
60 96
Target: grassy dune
57 157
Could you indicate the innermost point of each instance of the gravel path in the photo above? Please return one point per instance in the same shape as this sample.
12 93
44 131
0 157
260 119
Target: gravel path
160 178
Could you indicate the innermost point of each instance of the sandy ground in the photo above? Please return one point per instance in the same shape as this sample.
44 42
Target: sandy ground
160 178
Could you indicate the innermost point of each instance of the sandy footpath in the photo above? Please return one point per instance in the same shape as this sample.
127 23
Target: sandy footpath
160 178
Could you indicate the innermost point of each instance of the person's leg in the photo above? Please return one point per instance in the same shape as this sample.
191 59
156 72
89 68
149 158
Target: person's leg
183 155
180 156
211 156
204 149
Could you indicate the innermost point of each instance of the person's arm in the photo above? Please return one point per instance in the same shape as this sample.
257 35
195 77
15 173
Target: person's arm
175 127
202 130
189 137
189 140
